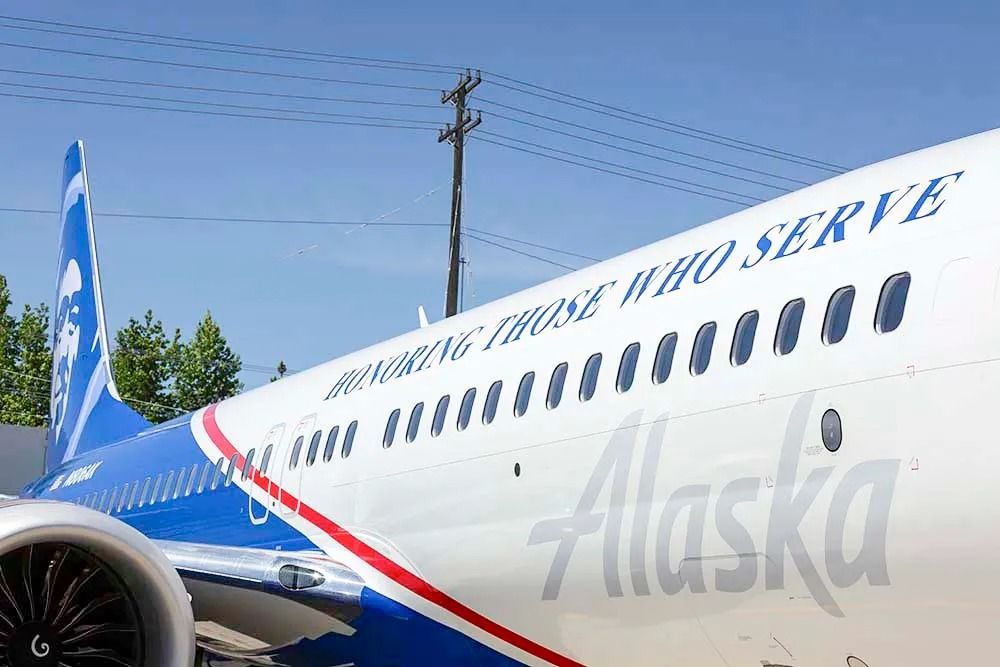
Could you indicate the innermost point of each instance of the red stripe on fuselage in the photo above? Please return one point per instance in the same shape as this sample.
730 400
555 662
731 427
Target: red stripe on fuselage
377 560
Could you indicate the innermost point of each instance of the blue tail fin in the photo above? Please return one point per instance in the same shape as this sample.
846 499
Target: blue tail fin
85 411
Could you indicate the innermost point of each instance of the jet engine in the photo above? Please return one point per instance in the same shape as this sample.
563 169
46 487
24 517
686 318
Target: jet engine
79 588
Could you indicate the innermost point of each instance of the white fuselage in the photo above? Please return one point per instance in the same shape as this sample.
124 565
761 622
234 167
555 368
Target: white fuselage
700 521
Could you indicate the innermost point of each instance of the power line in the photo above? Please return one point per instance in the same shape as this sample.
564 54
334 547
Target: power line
292 221
639 142
246 107
514 239
40 395
519 252
218 68
232 51
232 91
203 218
614 173
681 163
447 68
204 112
670 126
618 165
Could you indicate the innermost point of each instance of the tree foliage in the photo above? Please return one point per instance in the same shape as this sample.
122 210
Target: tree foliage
208 370
158 375
144 361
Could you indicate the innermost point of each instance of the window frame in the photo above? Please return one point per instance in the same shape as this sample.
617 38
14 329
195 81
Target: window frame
522 400
296 454
557 386
707 330
348 444
313 450
594 362
661 348
247 464
465 409
633 364
440 415
331 443
839 295
799 304
391 424
880 309
413 423
734 348
492 402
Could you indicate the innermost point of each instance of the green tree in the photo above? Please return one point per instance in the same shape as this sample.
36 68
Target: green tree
28 403
144 360
282 369
8 351
207 369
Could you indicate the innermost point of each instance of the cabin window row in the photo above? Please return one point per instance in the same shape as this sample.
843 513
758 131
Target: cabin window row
888 317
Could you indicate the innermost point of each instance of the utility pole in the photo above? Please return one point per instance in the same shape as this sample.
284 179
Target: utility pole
455 135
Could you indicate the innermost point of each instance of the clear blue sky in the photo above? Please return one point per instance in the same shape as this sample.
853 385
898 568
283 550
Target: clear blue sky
848 82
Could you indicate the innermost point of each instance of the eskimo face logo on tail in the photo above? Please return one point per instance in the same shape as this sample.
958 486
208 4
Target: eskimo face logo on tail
790 502
67 341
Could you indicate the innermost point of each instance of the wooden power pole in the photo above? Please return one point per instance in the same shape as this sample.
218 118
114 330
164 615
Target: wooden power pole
455 135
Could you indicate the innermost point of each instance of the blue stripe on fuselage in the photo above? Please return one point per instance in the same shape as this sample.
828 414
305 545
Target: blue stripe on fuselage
386 633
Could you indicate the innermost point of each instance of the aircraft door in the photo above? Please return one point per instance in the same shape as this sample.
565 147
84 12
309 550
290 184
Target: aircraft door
260 497
293 464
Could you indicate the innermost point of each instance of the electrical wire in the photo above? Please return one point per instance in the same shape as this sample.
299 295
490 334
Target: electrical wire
618 165
218 68
222 43
621 137
205 112
649 155
675 128
231 91
514 239
614 173
245 107
230 51
520 252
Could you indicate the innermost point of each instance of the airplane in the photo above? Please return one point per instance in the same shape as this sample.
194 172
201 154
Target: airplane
761 441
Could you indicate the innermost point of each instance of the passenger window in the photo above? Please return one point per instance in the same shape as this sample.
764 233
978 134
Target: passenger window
588 382
313 448
104 501
345 449
664 358
556 384
892 303
465 409
701 352
134 497
331 444
247 464
181 476
746 330
114 499
440 413
232 469
265 461
191 479
414 424
206 469
390 429
524 394
492 400
123 498
144 498
293 460
156 489
217 474
626 369
838 315
167 485
787 334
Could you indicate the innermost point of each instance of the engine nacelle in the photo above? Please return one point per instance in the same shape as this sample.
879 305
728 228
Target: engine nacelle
77 585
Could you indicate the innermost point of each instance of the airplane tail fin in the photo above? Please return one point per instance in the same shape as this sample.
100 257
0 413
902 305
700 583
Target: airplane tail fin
85 410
